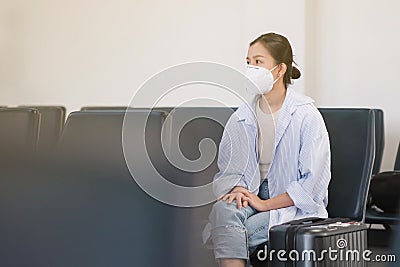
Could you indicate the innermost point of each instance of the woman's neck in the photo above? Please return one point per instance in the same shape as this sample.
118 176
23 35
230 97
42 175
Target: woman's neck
273 100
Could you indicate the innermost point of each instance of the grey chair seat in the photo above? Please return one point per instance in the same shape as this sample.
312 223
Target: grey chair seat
375 216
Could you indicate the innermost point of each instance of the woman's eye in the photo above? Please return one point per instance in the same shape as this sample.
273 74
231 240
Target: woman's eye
258 61
247 62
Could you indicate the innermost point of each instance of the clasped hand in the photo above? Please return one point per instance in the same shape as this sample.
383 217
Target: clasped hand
244 198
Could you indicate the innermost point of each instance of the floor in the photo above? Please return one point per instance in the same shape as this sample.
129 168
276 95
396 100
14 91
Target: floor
381 243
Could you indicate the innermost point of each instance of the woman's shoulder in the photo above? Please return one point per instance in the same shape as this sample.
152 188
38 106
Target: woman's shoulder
308 113
237 115
245 112
304 105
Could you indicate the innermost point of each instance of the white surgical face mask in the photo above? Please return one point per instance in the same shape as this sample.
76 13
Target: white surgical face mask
262 78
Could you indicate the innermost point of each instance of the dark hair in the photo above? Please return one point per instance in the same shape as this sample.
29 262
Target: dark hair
279 48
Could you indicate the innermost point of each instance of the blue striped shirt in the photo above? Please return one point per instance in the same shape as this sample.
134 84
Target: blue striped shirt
300 159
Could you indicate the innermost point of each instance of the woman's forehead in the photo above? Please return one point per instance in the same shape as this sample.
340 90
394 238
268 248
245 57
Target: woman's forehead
258 50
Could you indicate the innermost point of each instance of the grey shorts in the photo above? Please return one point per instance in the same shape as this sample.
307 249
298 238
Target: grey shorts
235 233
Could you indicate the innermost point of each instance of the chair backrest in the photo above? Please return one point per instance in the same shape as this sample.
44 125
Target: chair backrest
397 162
90 213
19 130
52 119
95 137
98 108
189 126
352 139
379 140
192 134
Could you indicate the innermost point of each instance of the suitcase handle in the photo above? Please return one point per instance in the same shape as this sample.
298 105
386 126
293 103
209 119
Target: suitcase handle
312 220
305 221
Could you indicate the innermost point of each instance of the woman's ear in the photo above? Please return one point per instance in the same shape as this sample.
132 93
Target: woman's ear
282 70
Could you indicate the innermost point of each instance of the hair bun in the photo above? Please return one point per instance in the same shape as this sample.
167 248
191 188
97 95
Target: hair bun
295 73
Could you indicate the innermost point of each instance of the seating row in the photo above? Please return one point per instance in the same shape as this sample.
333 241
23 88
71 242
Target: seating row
85 209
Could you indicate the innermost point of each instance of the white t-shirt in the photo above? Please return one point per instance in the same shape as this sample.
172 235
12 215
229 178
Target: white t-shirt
266 136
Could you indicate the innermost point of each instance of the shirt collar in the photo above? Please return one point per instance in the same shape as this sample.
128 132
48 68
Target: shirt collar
247 112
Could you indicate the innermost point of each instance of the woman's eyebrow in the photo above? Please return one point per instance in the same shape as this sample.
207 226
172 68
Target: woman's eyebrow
256 56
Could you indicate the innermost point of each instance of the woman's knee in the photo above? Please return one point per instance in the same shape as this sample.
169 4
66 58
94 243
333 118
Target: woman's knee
223 207
258 228
227 213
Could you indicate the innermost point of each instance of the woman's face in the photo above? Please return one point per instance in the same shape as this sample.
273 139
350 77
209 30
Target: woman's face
258 55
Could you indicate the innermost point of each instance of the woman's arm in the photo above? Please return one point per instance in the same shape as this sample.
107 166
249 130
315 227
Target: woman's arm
280 201
277 202
309 191
233 158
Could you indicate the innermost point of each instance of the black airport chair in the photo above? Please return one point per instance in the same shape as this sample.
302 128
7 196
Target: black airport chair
384 194
52 121
352 138
18 133
379 139
397 162
379 148
104 108
192 133
352 142
86 209
183 130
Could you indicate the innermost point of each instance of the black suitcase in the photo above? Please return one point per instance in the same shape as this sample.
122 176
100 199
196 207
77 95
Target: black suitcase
318 242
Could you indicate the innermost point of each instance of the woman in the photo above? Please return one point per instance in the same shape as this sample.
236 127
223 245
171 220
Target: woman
274 158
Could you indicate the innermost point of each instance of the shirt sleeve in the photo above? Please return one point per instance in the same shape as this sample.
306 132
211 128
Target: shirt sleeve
309 191
233 158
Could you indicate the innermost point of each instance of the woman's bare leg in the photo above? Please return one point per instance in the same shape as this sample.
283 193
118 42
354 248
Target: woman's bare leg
232 263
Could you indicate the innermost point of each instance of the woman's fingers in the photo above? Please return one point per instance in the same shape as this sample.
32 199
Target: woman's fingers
249 200
239 200
239 189
231 198
246 192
